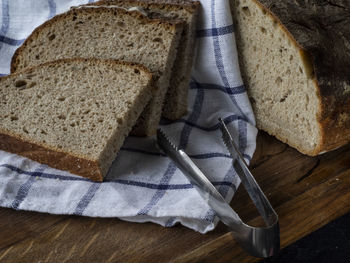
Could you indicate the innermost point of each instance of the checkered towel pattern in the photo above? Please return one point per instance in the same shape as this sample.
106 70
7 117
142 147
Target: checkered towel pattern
143 184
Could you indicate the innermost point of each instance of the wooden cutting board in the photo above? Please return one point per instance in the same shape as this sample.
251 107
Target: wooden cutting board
307 193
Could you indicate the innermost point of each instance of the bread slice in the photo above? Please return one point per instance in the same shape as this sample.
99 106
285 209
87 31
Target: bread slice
175 105
108 33
295 60
72 114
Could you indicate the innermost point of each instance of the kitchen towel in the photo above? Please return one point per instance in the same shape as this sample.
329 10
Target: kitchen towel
143 185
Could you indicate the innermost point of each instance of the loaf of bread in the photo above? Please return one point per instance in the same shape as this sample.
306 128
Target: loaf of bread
175 104
295 60
72 114
108 33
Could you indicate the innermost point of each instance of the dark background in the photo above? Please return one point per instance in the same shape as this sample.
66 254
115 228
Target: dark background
330 243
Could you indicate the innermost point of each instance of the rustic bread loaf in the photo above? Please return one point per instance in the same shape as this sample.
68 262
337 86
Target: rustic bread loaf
175 104
295 60
72 114
109 33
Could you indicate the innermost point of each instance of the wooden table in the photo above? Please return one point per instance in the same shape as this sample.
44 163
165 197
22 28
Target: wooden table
306 192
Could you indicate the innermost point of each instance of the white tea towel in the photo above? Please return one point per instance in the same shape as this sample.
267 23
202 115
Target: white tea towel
143 185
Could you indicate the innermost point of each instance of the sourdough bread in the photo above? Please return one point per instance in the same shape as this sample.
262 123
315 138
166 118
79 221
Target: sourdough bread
108 33
72 114
295 60
175 105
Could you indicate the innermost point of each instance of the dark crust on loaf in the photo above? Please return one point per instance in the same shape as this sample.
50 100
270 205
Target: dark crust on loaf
321 30
46 154
158 4
170 24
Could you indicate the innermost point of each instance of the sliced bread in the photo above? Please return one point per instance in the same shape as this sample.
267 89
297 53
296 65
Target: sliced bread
295 60
72 114
109 33
175 105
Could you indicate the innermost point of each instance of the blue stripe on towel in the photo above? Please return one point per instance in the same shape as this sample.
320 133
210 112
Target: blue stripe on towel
86 199
52 8
11 41
219 31
118 181
215 127
5 23
228 90
24 188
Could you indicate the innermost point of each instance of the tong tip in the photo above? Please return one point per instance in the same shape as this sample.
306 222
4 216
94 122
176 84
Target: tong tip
226 136
164 141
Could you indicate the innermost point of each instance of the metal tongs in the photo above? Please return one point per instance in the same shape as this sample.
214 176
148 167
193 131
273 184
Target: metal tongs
257 241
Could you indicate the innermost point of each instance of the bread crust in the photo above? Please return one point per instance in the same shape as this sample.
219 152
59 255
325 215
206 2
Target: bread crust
174 25
52 157
47 154
95 60
190 7
321 32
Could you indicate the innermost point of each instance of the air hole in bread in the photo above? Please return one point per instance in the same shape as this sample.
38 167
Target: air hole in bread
100 120
20 83
14 118
246 10
278 80
25 130
64 129
43 132
52 37
263 30
158 39
62 117
61 99
301 70
72 124
136 71
284 97
121 24
130 45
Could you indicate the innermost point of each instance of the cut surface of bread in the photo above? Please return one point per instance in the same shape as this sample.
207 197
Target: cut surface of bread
72 114
175 104
108 33
288 66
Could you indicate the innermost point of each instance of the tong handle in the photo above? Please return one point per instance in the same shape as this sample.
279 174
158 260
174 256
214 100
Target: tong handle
253 189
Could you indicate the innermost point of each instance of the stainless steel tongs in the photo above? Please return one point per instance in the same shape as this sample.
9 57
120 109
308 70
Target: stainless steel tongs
257 241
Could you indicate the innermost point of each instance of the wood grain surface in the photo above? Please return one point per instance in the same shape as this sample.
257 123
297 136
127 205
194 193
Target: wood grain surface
307 193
